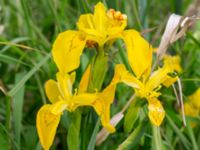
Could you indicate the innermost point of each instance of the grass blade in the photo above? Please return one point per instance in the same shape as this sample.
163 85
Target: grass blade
17 86
91 145
18 107
184 140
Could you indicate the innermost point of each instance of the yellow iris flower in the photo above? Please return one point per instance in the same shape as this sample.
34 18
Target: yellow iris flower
100 28
60 95
145 83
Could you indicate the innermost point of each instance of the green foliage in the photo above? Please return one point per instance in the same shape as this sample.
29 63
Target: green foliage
27 31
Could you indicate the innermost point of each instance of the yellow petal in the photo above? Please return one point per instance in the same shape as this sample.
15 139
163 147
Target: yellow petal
67 50
52 91
58 107
103 25
103 110
190 110
84 81
122 75
139 53
195 98
65 85
157 77
173 62
84 99
86 24
102 106
95 26
47 124
117 21
156 112
105 118
100 17
169 81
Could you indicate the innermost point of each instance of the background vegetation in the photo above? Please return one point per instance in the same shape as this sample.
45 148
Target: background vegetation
27 31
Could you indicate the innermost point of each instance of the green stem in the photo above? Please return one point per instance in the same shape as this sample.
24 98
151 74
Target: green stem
135 11
157 141
98 71
99 67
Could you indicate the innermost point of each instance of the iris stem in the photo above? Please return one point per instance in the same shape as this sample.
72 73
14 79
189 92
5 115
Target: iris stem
99 67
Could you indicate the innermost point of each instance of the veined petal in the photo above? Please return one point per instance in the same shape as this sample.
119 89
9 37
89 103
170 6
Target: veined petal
67 50
86 24
65 85
84 99
58 107
139 53
47 124
157 77
122 75
84 80
52 91
156 112
100 17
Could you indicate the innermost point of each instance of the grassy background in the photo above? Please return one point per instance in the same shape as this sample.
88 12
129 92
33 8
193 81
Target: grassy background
27 31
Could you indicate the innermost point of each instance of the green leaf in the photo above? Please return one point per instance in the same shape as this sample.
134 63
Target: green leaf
134 137
10 60
4 144
73 141
131 117
92 142
192 136
157 140
18 107
184 140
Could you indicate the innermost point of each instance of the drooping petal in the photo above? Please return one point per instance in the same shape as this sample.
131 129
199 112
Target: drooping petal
169 81
47 124
139 53
122 75
52 91
84 80
67 50
102 106
156 112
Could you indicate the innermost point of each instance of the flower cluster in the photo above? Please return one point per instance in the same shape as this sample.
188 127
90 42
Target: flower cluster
100 30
